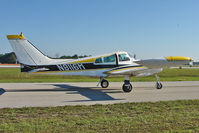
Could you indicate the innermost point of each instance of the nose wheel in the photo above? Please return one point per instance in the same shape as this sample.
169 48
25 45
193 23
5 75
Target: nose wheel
158 83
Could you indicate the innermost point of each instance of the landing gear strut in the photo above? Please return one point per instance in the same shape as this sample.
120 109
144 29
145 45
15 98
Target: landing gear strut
158 83
127 87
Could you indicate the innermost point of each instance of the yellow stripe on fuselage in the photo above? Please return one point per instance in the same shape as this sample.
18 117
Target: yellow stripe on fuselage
85 61
91 60
178 58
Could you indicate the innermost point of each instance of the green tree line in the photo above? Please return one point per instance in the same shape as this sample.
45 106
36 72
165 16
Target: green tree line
8 58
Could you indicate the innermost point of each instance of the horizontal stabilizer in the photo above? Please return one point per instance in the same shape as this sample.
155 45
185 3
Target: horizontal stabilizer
38 70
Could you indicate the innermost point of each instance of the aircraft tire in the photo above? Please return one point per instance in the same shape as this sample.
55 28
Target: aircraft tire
127 87
158 85
104 83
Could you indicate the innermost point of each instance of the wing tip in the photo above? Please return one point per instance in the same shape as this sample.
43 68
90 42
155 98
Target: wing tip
178 58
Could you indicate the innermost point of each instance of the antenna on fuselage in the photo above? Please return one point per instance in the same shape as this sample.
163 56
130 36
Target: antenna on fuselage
134 56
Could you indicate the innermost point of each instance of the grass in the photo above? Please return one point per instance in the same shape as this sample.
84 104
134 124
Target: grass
171 116
14 75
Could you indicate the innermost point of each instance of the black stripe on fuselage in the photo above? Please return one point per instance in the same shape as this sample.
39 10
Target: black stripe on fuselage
66 67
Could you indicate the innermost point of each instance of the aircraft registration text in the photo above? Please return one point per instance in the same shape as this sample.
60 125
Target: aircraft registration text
71 67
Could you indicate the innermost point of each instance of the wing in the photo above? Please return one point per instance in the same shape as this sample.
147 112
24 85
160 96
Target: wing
169 61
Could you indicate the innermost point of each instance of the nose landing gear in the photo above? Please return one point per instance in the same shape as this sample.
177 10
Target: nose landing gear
158 83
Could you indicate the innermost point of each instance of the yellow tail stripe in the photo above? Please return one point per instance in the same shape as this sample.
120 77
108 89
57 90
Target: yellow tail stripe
16 36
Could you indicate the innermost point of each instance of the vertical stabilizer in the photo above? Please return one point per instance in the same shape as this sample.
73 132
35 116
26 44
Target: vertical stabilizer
26 52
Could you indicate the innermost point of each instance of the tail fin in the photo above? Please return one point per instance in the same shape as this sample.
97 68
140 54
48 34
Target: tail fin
27 53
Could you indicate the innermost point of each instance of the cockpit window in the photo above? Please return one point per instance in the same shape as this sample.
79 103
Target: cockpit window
98 60
108 59
123 57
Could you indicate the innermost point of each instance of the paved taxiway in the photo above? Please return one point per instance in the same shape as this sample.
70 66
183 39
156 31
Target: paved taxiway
59 94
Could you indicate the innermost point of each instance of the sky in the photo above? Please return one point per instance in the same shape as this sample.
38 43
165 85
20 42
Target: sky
147 28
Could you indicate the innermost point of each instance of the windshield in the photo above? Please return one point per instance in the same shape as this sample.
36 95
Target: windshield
123 57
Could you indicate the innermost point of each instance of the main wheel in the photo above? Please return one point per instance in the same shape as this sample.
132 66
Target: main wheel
104 83
127 87
158 85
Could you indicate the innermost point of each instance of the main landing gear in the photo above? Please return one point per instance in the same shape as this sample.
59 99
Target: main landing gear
104 83
127 87
158 83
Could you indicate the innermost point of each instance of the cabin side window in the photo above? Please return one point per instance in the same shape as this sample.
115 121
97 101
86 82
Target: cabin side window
98 60
109 59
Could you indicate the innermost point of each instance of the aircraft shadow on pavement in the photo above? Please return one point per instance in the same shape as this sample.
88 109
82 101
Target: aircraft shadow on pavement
88 92
2 91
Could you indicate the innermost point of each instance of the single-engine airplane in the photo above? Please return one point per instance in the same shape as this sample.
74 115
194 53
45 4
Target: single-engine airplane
118 63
